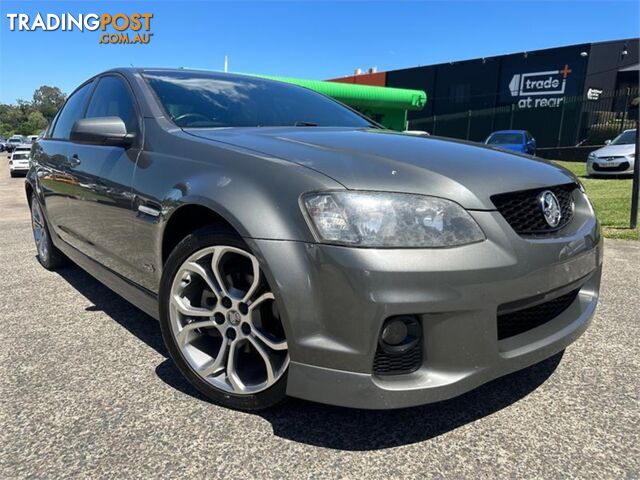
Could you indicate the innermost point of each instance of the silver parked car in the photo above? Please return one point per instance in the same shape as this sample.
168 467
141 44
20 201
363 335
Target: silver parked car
617 157
289 245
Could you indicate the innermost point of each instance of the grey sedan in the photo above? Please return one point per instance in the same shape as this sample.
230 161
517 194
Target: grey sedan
290 246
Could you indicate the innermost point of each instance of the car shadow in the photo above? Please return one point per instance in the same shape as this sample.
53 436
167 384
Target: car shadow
323 425
131 318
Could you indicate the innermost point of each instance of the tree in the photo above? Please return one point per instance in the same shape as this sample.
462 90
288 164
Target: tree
29 118
36 123
12 120
48 100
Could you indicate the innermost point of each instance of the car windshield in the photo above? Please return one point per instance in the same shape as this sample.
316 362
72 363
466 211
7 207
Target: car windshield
15 140
504 138
207 100
21 156
625 138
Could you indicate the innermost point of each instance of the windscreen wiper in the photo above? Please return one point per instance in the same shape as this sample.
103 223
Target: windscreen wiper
305 124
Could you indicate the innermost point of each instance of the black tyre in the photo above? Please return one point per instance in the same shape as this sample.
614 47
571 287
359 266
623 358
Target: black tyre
220 321
48 255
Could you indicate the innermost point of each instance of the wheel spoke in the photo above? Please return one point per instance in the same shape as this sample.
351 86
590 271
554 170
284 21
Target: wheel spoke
255 267
265 358
217 365
215 261
262 298
184 333
186 309
36 220
232 374
199 270
273 345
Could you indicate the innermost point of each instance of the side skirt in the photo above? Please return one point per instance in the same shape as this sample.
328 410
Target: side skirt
142 298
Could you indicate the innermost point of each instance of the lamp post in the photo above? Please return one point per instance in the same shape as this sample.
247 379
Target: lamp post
635 186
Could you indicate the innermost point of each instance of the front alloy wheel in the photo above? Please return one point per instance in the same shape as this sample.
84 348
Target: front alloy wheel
221 323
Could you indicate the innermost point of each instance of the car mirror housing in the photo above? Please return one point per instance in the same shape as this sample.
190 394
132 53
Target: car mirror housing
101 131
607 142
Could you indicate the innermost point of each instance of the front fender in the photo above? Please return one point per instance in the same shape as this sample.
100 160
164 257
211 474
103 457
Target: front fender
257 195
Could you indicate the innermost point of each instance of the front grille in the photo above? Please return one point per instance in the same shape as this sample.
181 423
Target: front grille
520 321
618 168
523 212
385 363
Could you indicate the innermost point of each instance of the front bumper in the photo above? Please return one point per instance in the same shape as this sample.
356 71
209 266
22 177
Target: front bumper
19 167
334 301
604 167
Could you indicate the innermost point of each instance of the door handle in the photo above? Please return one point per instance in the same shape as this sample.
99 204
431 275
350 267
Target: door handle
74 161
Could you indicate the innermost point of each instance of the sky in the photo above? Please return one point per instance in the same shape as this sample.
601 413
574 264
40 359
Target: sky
309 39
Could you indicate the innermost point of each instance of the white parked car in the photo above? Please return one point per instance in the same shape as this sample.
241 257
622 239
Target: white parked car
23 147
19 163
615 158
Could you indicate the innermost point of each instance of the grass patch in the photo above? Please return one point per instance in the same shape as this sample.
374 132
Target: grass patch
611 199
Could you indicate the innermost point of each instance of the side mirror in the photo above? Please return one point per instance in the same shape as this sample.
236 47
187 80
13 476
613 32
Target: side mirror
607 142
101 131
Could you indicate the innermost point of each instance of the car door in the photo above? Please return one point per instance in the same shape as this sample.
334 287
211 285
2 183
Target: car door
51 162
102 208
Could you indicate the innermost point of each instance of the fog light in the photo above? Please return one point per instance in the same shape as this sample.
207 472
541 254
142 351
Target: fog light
394 332
400 334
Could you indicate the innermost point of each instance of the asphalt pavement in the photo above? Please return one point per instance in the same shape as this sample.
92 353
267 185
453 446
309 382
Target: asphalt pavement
87 391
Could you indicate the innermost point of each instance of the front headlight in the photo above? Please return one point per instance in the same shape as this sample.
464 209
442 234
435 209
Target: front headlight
592 156
379 219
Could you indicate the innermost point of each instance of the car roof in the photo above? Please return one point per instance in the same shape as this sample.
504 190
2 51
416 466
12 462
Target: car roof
211 73
508 131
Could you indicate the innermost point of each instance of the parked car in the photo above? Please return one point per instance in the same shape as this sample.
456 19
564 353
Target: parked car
516 140
32 138
13 142
288 245
23 147
3 142
19 163
617 157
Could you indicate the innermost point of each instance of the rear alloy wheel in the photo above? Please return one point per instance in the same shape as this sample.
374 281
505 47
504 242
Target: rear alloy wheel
48 255
221 323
